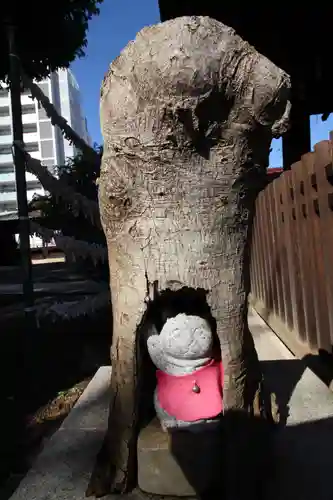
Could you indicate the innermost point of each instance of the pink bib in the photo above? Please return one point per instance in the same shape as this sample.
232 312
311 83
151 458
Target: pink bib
192 397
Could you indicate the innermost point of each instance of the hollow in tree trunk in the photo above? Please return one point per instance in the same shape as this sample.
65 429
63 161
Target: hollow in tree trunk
188 111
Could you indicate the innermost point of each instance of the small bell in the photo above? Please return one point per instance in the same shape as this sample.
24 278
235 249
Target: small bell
196 388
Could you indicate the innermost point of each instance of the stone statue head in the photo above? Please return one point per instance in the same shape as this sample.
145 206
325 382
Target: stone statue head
183 345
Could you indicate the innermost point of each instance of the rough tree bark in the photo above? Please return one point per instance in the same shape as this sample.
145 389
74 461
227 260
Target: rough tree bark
188 111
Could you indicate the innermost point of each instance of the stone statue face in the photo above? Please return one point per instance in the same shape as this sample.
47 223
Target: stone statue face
184 344
186 337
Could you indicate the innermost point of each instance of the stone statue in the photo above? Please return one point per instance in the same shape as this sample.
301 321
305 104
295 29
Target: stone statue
189 380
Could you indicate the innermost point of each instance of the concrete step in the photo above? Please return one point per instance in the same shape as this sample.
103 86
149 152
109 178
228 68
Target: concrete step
62 470
158 471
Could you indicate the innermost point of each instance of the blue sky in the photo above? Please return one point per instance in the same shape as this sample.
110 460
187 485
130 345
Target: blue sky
319 131
117 24
109 33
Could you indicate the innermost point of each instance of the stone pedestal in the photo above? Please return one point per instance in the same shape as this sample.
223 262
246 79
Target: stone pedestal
158 471
182 463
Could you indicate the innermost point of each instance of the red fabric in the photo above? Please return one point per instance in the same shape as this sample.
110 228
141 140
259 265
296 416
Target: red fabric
176 396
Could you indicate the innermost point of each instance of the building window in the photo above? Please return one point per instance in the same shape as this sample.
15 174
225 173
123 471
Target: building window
47 149
33 184
31 147
50 164
45 130
6 168
8 187
44 88
5 149
28 109
8 206
5 130
42 113
25 91
29 128
4 111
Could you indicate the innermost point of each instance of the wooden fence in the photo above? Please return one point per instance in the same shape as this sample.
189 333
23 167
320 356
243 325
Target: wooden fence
292 253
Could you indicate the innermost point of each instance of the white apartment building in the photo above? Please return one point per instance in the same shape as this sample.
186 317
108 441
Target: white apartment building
43 141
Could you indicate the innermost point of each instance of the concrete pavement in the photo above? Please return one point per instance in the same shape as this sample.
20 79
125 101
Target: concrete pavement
304 447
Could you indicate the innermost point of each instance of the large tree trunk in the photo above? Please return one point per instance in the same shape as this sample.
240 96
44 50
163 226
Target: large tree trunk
188 111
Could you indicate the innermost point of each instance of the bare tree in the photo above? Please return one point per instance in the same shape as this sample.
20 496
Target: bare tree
188 111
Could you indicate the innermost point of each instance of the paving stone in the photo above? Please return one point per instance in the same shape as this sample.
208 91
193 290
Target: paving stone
303 447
